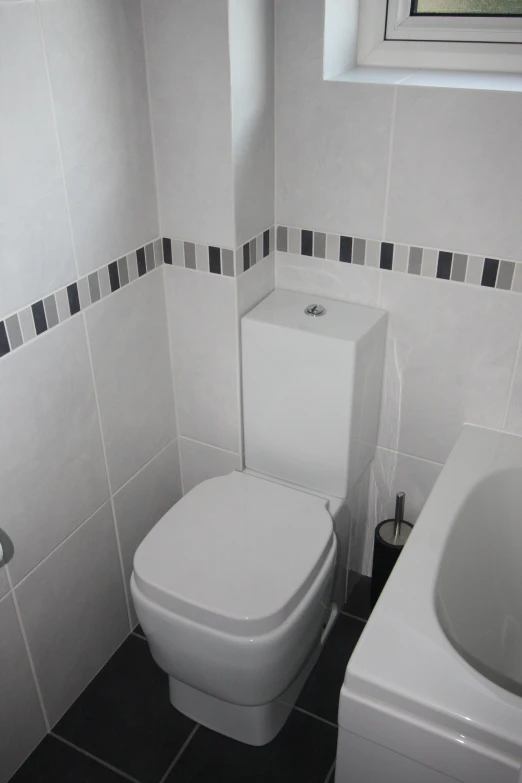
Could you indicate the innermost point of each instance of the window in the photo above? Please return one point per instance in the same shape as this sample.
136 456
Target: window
480 35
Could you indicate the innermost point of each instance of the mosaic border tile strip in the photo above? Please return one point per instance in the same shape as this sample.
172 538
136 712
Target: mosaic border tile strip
441 264
40 316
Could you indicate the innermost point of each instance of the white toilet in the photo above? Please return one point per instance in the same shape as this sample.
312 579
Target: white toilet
238 585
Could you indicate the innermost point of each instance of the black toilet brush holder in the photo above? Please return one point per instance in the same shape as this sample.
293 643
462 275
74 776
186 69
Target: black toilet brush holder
390 537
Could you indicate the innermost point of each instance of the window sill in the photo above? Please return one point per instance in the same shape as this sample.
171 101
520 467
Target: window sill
462 80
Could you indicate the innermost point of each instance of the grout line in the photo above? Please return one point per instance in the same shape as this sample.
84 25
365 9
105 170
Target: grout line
111 498
355 617
512 384
231 115
411 456
218 448
317 717
178 755
93 757
138 636
172 377
29 654
389 167
239 372
146 465
330 776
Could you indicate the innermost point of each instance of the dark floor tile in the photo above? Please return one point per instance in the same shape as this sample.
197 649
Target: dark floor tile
139 631
55 762
320 695
303 752
358 602
125 717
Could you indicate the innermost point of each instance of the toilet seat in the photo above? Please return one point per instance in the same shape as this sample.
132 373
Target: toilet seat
237 553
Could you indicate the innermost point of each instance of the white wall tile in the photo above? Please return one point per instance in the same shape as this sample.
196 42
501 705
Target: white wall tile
53 474
36 255
98 75
187 45
21 718
144 500
199 462
514 413
4 584
255 284
74 612
332 138
251 41
456 178
349 282
204 342
450 355
129 344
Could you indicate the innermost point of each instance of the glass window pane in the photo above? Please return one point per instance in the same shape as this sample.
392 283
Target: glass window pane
463 7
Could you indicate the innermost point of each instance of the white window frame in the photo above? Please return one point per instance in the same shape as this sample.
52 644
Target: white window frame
455 43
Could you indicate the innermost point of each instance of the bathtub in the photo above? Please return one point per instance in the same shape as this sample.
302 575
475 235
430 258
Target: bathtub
433 690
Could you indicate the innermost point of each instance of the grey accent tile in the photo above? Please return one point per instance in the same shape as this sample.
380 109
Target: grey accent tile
271 239
333 243
105 283
294 240
149 256
227 262
190 255
14 332
319 244
430 260
505 275
132 266
94 287
177 251
51 313
83 293
202 258
517 279
253 252
474 270
282 239
27 324
123 271
158 252
259 247
359 251
400 258
373 253
62 304
415 261
458 268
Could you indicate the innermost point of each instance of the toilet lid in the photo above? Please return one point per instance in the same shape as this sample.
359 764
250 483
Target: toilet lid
236 553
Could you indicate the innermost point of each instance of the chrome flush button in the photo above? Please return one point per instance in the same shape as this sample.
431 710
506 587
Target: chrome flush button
315 310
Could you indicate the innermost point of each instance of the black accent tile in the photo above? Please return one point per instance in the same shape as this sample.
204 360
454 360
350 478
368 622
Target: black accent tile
167 250
302 752
307 242
489 272
74 299
142 264
125 717
114 276
345 250
386 255
214 260
444 264
4 342
55 762
246 257
320 695
40 321
266 243
358 601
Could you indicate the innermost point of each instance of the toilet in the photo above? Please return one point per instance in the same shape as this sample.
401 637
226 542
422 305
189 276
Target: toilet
238 585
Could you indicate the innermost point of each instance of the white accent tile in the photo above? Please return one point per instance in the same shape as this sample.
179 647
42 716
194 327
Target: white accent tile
144 500
133 382
400 258
105 283
433 381
373 253
62 304
429 263
517 278
51 444
27 324
199 462
84 293
158 252
255 285
76 599
202 258
349 282
204 340
474 270
333 242
37 255
20 715
294 240
132 266
105 133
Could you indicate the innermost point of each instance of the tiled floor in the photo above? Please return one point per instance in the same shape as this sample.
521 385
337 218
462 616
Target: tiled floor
123 726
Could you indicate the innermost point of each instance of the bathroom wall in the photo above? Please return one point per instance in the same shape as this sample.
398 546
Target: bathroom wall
429 168
88 452
214 150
